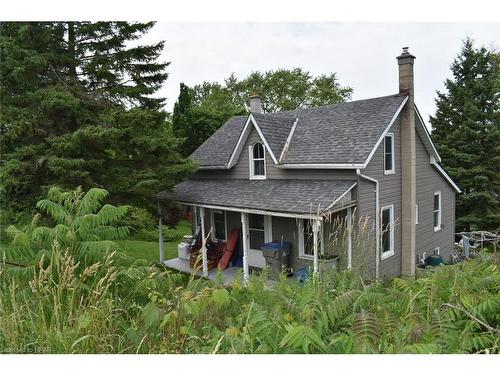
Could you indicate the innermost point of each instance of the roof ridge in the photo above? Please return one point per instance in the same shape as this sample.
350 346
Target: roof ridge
332 105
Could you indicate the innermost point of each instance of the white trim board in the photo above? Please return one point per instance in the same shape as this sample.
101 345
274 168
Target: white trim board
438 227
372 152
239 145
213 167
336 200
288 140
390 253
254 211
263 139
320 166
251 164
444 174
393 155
238 149
427 134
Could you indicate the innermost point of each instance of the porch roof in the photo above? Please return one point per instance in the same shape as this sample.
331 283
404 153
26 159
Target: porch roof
287 196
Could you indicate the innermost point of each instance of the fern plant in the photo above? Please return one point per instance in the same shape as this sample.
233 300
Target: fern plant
78 221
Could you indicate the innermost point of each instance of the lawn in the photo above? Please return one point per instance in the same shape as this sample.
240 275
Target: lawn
134 248
146 250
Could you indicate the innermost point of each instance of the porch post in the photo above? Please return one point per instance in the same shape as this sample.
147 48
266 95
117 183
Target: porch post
315 227
203 242
349 238
160 240
244 228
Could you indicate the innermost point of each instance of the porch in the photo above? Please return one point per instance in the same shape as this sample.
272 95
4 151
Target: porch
312 234
182 265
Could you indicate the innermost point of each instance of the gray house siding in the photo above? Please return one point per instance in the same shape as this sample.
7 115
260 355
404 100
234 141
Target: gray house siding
389 194
364 251
429 181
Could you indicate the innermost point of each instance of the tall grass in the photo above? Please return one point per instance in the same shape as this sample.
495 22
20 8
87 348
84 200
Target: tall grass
68 302
105 309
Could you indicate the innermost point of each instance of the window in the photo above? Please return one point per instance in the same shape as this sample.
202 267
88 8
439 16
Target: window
436 251
416 213
218 218
387 214
256 231
437 211
306 238
257 162
389 154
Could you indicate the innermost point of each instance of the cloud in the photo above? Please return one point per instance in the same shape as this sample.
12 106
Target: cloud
362 54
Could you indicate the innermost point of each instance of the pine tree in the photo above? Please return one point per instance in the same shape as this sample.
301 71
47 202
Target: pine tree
77 109
466 130
193 122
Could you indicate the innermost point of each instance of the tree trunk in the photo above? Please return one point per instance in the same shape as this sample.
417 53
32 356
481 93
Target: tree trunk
72 50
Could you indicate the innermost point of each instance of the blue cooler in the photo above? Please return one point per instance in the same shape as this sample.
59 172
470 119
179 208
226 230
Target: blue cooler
276 255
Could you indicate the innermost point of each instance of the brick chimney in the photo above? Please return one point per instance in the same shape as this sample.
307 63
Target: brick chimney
255 103
408 162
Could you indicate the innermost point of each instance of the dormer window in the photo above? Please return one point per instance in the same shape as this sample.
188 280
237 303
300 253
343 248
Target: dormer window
257 162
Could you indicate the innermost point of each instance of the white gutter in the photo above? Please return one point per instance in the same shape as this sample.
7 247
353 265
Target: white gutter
377 225
254 211
319 166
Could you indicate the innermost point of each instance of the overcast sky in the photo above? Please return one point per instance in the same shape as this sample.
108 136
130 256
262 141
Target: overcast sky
362 54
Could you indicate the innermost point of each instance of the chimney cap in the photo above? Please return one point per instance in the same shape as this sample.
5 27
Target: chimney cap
405 54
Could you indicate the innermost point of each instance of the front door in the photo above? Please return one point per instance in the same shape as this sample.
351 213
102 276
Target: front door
260 231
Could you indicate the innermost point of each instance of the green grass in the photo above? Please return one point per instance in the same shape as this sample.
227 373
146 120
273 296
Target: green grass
134 250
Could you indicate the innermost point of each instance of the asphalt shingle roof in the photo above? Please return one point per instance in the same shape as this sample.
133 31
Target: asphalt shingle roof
217 150
290 196
275 129
342 133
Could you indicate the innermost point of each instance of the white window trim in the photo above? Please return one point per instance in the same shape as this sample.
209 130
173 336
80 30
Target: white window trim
212 224
393 170
436 250
440 223
416 214
387 254
251 162
300 231
268 229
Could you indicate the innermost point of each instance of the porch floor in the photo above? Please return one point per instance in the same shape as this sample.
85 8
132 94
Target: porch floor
229 274
182 265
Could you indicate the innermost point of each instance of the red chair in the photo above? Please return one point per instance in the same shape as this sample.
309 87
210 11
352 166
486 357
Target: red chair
231 243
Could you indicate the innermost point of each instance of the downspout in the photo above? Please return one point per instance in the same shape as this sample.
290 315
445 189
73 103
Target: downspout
377 218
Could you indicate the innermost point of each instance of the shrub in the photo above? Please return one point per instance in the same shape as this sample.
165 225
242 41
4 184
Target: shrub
138 219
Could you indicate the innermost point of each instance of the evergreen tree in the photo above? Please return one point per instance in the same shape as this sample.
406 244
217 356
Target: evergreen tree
194 123
466 130
77 109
